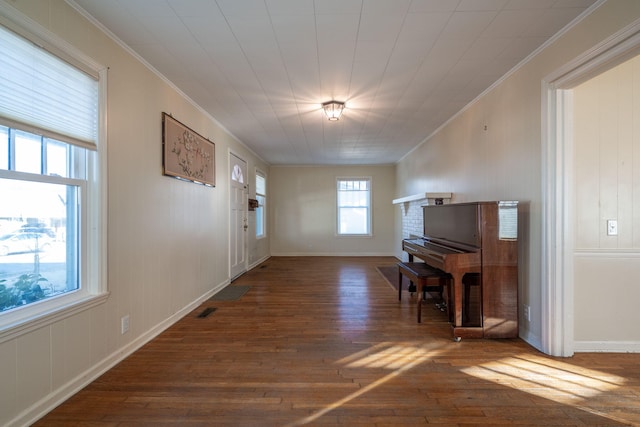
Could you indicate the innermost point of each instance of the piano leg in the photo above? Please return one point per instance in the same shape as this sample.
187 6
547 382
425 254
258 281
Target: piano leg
457 299
456 315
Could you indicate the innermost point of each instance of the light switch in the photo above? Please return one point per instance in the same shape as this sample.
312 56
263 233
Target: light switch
612 227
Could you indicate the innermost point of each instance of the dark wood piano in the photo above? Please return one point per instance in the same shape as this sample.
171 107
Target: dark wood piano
476 243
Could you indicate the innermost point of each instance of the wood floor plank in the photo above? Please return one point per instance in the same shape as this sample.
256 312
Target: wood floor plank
324 341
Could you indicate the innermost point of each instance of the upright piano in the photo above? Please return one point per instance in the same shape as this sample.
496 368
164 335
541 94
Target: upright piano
477 244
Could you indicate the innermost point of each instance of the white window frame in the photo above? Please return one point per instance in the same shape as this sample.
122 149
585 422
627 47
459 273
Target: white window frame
262 206
369 207
93 232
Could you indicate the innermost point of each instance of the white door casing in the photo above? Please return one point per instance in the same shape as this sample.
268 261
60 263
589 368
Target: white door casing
557 183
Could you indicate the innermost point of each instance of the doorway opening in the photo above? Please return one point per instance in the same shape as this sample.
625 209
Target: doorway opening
558 210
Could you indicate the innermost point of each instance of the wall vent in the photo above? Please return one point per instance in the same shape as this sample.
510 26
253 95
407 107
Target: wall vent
207 311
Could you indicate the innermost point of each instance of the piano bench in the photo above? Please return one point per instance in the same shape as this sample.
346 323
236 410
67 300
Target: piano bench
426 278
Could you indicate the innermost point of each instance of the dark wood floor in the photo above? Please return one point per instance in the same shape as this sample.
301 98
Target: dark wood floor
324 341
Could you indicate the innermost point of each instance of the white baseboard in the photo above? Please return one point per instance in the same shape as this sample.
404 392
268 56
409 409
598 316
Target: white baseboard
258 262
606 347
336 254
48 403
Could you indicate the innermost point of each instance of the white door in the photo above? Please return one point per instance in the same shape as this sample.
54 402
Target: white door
238 216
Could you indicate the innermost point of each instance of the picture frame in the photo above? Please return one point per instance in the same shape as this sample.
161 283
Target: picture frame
186 154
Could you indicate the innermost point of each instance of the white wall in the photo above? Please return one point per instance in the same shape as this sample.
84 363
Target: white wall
607 186
303 211
504 161
167 239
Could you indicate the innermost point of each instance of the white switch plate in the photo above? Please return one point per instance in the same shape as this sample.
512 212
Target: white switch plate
612 227
124 324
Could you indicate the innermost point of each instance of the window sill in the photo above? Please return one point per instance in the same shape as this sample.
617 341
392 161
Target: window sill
38 320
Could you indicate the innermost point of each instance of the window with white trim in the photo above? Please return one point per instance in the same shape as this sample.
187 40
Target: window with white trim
51 246
261 197
354 206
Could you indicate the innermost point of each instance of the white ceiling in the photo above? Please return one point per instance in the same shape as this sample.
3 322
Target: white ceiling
261 68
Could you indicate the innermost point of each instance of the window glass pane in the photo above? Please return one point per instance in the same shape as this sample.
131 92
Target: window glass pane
79 157
38 241
28 152
353 198
260 185
260 216
236 174
56 158
4 147
353 221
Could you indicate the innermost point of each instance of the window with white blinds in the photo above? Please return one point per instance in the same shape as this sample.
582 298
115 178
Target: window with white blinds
354 206
51 174
45 95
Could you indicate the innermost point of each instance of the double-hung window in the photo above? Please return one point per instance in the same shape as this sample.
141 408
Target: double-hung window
51 238
354 206
261 197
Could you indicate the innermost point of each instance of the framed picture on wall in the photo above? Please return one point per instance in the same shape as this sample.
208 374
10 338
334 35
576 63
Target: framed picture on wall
186 154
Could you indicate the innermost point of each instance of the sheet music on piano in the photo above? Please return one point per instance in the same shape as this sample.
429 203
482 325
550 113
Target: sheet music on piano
508 220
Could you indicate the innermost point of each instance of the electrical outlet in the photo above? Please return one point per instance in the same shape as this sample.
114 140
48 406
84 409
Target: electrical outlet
124 324
612 227
527 313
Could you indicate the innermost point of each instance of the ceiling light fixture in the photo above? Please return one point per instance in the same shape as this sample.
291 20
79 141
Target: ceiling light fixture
333 110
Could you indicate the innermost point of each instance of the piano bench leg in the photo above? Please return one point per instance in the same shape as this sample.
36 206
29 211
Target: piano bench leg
420 299
421 284
412 287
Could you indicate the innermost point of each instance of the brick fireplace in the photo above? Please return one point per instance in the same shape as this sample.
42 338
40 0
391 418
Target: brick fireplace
411 212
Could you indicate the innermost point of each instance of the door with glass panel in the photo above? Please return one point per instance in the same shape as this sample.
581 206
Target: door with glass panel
238 216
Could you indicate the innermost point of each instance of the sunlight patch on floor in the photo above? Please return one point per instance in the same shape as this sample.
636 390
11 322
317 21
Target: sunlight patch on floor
552 379
397 357
391 355
545 377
